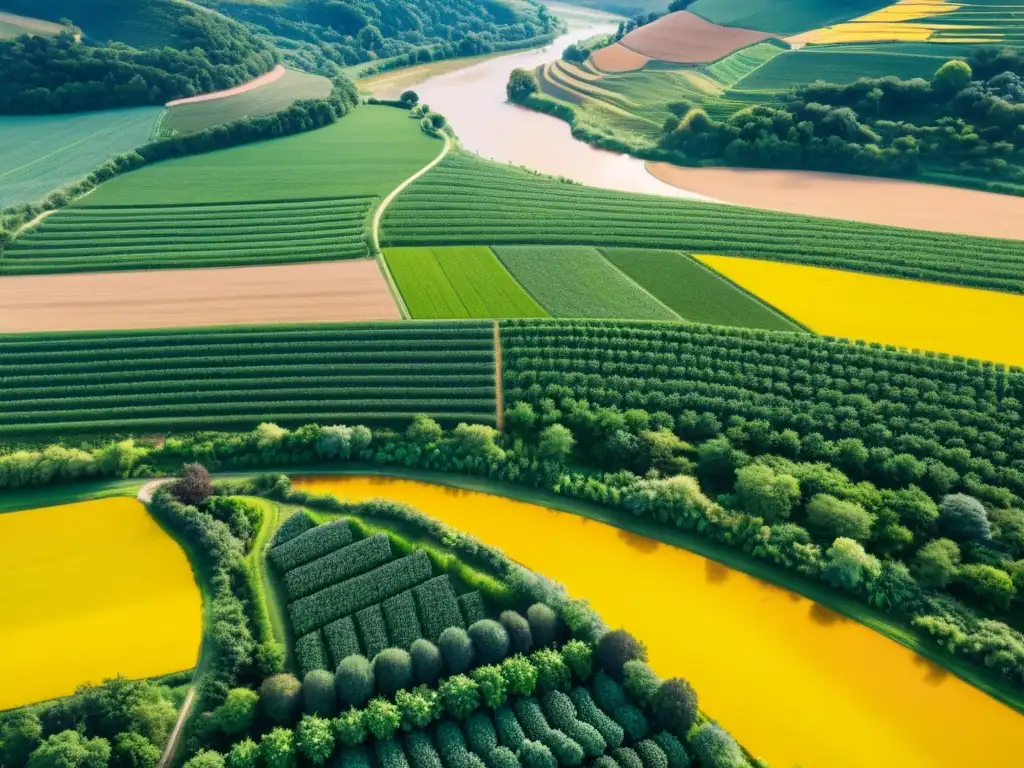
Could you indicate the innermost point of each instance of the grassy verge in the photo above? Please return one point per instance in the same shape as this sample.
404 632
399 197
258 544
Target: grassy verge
270 593
67 493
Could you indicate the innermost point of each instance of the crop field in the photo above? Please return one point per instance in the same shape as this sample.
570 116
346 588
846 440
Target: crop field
236 378
466 200
12 25
695 292
438 283
905 313
41 153
783 16
105 574
577 281
684 38
267 99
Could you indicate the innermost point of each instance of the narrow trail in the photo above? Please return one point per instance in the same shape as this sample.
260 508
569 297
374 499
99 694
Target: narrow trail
499 386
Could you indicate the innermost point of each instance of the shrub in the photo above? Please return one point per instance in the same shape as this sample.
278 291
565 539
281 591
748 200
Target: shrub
235 716
314 739
382 718
452 747
579 657
829 518
640 682
552 672
480 734
206 758
627 758
318 694
617 647
531 717
392 670
244 754
761 492
510 732
543 625
518 629
848 566
281 697
963 518
456 649
936 562
354 681
417 707
421 751
502 757
533 754
605 761
492 685
988 586
651 754
277 748
676 706
609 694
520 675
356 757
426 662
390 755
674 750
459 695
561 714
715 748
193 486
490 641
587 712
565 750
297 524
632 721
349 728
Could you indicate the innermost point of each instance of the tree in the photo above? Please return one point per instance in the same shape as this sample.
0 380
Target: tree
207 758
556 443
382 718
617 647
281 697
277 748
847 565
575 54
318 693
962 518
417 707
521 85
424 430
235 716
543 624
244 754
370 38
675 706
760 491
579 657
492 684
354 681
520 675
829 518
456 649
679 5
552 672
640 682
194 485
392 670
518 628
715 748
426 661
936 563
520 418
991 587
490 641
70 749
409 98
349 727
459 695
20 733
953 76
133 750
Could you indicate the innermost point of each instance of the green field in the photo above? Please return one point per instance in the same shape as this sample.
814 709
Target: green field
695 292
577 281
438 283
783 16
265 100
41 153
466 200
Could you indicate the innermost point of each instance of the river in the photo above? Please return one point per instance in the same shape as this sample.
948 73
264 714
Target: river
796 683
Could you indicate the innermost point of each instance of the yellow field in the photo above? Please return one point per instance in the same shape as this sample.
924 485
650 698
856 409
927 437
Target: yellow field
926 316
898 23
90 591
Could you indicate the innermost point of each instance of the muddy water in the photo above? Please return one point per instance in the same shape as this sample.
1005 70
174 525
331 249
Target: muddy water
795 682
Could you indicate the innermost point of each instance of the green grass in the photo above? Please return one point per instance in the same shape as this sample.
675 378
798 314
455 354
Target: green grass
577 281
17 499
695 292
783 16
41 153
736 66
270 612
438 283
265 100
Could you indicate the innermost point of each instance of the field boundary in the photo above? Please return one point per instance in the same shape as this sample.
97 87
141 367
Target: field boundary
396 294
653 298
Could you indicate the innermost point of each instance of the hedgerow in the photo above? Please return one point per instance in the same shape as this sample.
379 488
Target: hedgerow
390 754
336 566
452 747
480 734
342 639
561 714
510 732
472 606
403 624
608 693
297 524
533 754
588 712
627 758
421 752
531 718
355 757
632 720
502 757
372 631
651 754
438 607
673 748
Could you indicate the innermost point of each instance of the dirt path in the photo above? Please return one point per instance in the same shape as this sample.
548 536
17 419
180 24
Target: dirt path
146 492
499 378
269 77
172 743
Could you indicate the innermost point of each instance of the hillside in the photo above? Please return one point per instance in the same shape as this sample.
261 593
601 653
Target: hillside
128 54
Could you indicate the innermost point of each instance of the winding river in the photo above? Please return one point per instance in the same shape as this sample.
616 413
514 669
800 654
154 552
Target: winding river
797 683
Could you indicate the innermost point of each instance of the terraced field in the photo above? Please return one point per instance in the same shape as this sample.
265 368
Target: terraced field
194 379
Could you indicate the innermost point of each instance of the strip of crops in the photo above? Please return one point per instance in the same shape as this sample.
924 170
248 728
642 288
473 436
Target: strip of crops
468 200
311 545
207 378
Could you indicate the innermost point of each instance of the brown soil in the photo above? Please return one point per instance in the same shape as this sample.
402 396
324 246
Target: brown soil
320 292
893 202
275 74
683 38
618 58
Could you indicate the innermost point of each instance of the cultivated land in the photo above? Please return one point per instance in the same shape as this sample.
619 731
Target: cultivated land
210 378
938 318
873 200
101 572
577 281
683 38
40 153
466 200
12 25
438 283
331 292
267 98
783 15
618 58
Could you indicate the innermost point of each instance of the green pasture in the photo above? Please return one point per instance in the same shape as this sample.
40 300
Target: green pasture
783 16
465 282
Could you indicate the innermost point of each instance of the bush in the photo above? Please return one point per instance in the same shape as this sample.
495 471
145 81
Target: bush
356 757
235 716
609 694
480 734
510 732
829 518
632 721
565 750
674 750
936 563
426 662
194 485
605 761
314 739
417 707
561 714
277 748
552 672
518 629
676 706
520 675
131 750
588 713
543 623
392 670
492 685
490 641
627 758
963 518
531 717
533 754
640 682
452 747
715 748
761 492
390 755
459 695
382 718
349 728
281 697
579 657
651 754
990 587
456 649
318 694
206 758
297 524
354 681
502 757
617 647
421 751
244 754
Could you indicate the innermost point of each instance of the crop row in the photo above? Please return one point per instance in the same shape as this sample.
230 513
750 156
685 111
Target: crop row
402 621
310 545
373 634
336 566
438 607
341 639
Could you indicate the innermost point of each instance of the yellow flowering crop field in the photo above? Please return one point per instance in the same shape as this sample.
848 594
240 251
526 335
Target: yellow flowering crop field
89 591
927 316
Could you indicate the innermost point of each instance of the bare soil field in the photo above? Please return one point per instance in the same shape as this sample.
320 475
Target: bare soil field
893 202
327 292
617 58
12 25
275 74
683 38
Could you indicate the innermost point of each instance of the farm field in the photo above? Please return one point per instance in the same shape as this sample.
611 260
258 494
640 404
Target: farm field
13 25
905 313
195 379
439 283
683 38
466 200
577 281
783 16
268 98
694 292
41 153
104 573
822 668
303 293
